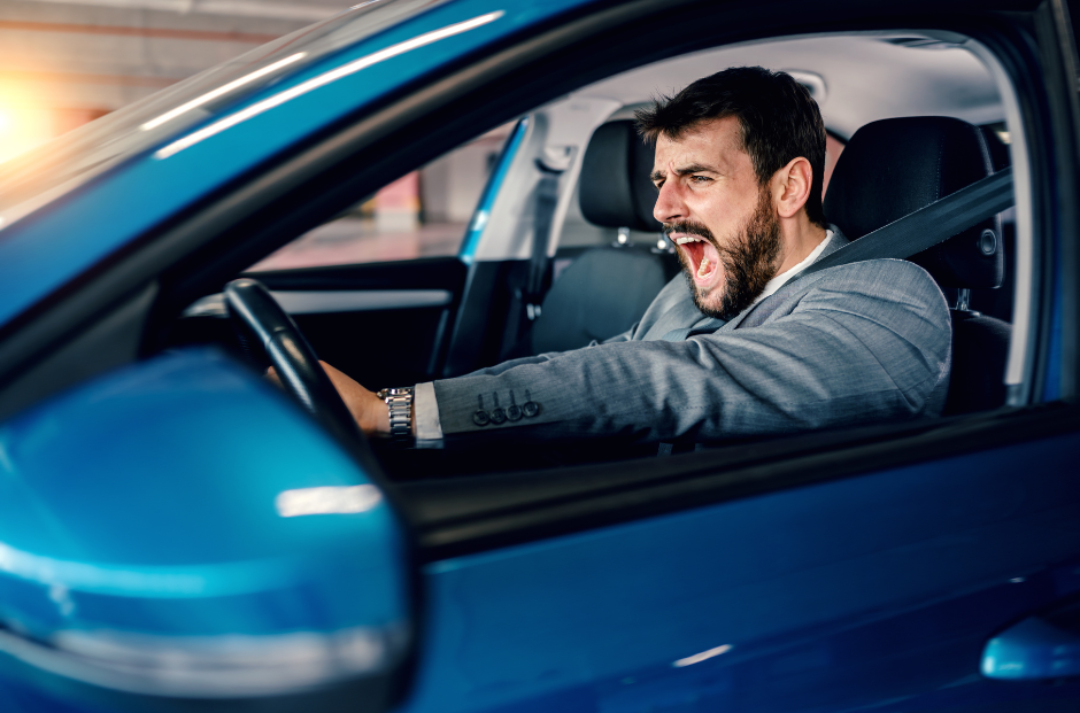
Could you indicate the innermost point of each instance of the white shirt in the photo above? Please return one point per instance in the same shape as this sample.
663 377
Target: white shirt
780 280
426 407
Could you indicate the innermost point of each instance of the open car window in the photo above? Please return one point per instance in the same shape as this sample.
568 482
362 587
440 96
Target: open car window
926 75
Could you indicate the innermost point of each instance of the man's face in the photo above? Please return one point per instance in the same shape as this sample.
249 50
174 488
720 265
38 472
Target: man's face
722 220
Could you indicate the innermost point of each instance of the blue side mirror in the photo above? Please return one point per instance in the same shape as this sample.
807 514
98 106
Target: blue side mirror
1039 648
178 530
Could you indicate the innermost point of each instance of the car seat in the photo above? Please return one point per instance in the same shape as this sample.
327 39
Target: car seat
605 290
893 167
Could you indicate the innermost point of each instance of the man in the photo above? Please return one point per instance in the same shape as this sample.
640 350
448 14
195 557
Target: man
739 346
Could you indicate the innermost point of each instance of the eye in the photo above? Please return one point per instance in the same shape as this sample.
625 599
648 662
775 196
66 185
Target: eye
699 179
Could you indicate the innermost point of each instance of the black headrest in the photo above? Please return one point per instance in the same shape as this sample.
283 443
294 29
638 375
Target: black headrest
895 166
615 190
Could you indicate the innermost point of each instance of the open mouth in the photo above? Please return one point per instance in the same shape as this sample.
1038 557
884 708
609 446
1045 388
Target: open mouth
702 255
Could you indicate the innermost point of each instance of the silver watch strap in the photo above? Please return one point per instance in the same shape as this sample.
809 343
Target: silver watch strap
400 403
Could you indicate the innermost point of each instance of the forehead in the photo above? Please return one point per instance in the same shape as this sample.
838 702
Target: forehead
716 142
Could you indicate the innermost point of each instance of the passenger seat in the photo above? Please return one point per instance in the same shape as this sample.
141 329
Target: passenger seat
605 290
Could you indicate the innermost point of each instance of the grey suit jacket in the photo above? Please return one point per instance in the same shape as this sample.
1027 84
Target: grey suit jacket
856 343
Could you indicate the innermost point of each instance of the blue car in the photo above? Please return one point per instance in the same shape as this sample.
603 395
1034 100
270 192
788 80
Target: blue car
415 189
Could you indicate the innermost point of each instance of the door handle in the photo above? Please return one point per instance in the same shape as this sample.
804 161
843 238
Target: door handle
1041 647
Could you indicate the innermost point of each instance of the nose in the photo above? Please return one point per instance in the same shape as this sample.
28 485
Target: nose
670 206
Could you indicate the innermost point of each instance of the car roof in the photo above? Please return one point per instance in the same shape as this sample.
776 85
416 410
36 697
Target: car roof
856 78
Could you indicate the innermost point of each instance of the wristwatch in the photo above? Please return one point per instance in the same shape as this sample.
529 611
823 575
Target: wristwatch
399 401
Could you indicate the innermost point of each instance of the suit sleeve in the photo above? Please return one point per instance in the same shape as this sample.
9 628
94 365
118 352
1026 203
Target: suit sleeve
866 342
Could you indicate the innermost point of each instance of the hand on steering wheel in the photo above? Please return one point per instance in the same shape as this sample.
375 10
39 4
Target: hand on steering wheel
298 369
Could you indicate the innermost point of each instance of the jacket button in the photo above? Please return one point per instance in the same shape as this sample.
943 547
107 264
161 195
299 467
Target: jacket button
530 408
480 417
498 416
513 411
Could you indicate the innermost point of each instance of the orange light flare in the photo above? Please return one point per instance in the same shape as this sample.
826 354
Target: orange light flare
24 123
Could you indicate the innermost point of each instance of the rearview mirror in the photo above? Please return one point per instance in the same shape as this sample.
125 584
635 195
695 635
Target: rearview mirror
177 533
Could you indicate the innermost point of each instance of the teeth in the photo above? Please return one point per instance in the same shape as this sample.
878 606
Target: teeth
703 268
689 239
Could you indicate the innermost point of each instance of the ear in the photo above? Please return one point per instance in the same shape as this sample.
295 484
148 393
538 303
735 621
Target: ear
791 187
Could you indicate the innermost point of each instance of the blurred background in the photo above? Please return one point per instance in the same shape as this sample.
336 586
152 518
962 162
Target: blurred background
65 63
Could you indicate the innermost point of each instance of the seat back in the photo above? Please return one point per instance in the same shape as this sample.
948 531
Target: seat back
606 289
893 167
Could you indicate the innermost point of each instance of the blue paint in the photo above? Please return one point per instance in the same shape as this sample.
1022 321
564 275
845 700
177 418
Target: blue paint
45 250
844 593
491 191
184 460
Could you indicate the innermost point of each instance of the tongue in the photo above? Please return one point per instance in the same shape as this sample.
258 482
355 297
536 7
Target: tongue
710 254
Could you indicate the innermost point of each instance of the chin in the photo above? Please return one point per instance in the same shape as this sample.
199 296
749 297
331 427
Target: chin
714 302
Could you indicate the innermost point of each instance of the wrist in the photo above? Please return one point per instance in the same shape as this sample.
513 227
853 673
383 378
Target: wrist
397 418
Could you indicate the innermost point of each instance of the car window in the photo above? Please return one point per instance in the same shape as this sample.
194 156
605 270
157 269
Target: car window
425 213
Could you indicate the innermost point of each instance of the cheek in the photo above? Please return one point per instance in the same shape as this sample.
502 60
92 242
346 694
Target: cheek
726 214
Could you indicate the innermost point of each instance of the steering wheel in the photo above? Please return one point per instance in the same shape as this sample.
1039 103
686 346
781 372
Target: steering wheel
259 314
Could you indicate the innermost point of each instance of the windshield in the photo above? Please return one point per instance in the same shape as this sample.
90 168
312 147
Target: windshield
77 156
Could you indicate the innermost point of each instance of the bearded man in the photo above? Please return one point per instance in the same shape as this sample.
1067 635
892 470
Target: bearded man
740 346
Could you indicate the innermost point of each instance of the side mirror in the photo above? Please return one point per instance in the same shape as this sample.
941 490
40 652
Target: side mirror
177 533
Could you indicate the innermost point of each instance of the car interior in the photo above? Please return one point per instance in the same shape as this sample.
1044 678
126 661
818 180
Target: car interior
911 116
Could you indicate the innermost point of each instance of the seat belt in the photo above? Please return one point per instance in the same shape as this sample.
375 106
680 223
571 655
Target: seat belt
525 307
927 226
547 197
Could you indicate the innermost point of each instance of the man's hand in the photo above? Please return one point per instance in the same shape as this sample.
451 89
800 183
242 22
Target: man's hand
367 409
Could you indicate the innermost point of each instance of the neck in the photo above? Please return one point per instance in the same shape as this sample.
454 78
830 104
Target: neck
798 238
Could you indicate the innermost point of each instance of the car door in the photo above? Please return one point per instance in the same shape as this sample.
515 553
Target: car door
872 592
874 572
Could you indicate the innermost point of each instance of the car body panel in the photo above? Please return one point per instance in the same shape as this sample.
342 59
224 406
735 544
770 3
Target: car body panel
832 597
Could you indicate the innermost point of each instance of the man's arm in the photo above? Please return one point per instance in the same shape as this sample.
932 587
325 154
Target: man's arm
863 342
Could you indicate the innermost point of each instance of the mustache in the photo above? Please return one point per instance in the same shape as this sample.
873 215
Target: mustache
690 229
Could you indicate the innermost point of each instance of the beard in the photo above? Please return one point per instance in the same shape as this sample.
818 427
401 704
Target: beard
749 261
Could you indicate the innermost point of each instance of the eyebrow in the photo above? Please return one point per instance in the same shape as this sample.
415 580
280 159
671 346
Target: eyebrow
692 168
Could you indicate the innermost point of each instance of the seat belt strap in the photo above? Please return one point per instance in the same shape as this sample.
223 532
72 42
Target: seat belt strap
928 226
547 197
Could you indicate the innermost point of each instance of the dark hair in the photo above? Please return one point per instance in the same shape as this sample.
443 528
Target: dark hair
780 121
